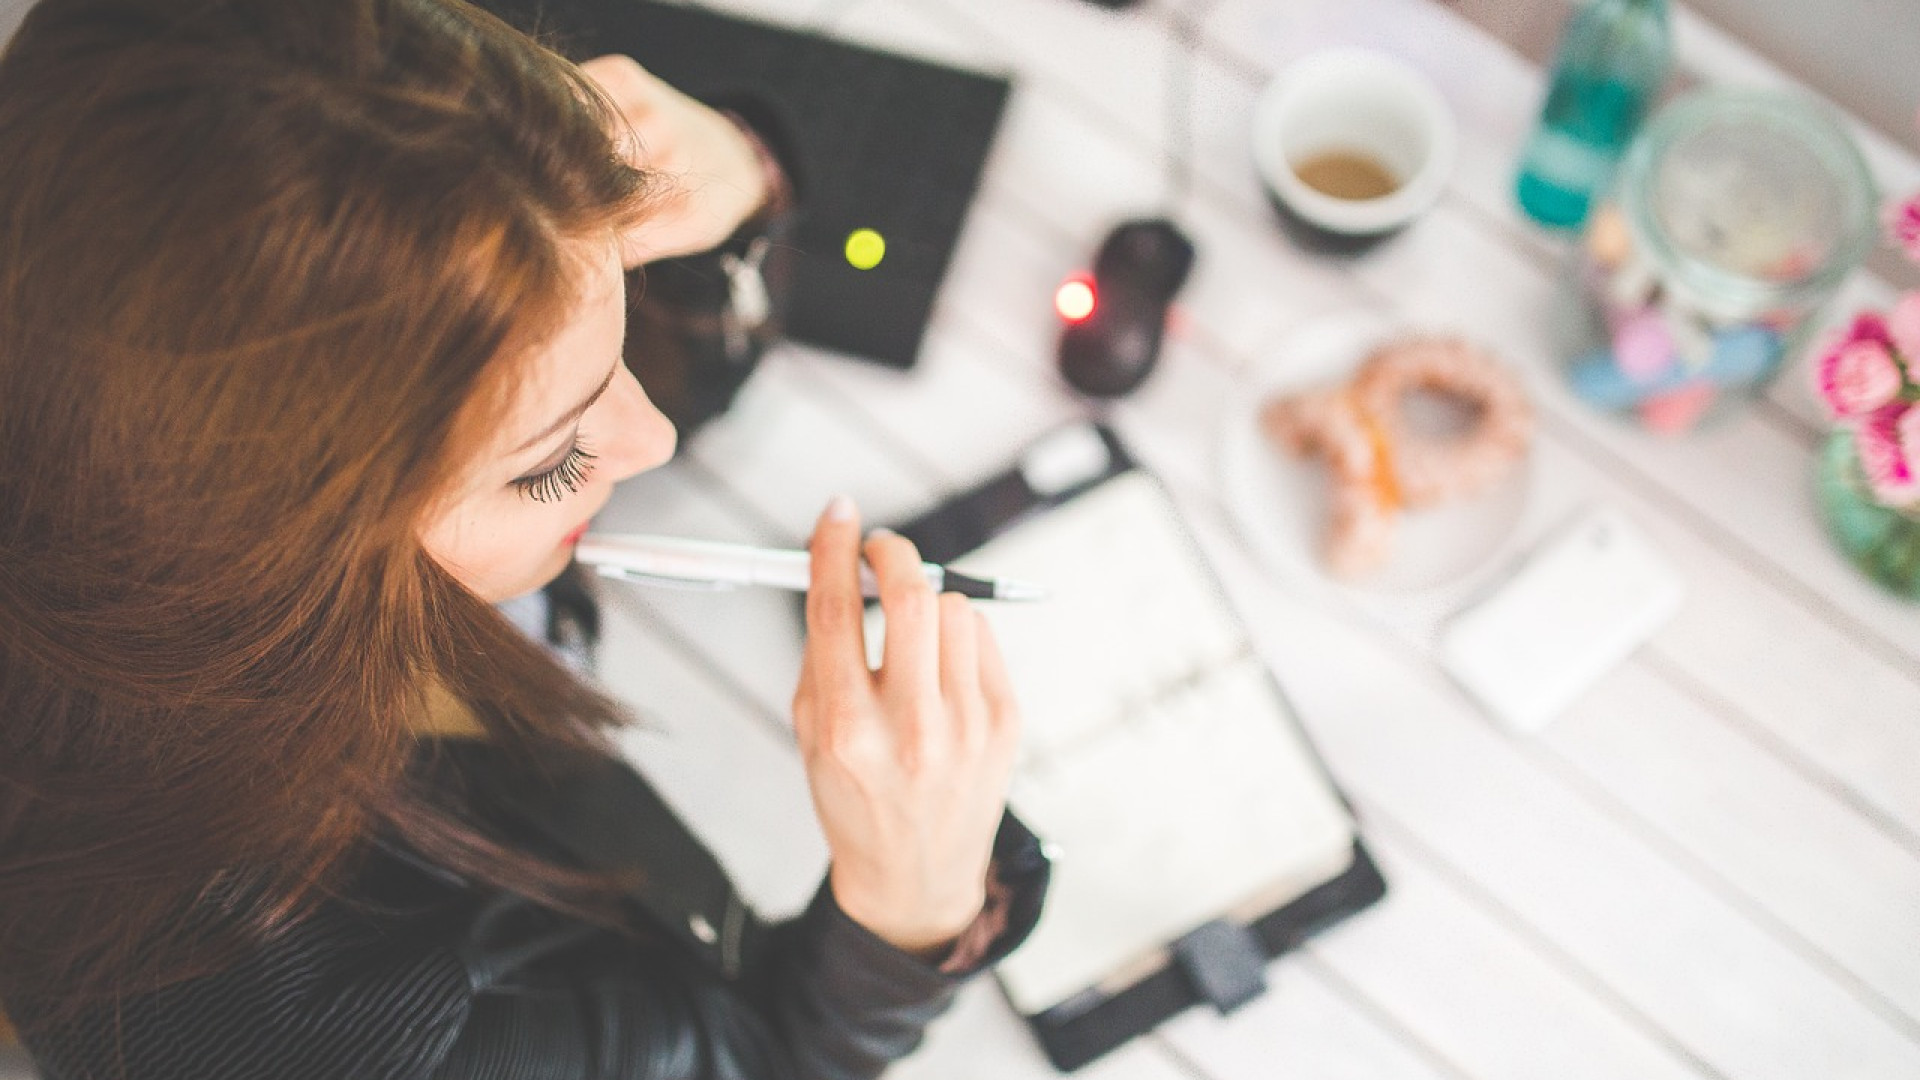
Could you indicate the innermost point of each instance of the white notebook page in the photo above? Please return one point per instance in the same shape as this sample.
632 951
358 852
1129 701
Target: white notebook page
1157 757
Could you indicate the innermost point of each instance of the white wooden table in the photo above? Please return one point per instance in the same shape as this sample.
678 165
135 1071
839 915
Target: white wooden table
1709 868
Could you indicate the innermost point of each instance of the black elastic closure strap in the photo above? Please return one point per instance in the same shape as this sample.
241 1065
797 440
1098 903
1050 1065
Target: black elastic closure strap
1224 962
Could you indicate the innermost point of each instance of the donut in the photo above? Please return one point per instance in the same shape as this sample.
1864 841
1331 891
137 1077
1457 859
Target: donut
1361 495
1376 464
1445 470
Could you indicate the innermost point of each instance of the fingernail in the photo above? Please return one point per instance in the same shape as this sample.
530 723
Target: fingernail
880 533
840 508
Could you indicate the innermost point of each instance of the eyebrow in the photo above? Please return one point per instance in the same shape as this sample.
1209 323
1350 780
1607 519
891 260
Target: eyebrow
571 414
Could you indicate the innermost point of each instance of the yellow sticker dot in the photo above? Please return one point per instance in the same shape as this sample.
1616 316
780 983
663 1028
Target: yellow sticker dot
865 249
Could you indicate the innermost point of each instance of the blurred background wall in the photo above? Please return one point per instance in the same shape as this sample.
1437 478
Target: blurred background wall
1863 54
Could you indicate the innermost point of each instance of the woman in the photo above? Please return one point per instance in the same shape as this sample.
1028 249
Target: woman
310 335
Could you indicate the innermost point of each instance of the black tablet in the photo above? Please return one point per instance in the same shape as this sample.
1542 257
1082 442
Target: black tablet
886 150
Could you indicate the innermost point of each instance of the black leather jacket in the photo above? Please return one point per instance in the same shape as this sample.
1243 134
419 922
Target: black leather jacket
415 973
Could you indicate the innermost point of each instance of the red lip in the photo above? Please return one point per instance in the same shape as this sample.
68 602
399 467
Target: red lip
573 537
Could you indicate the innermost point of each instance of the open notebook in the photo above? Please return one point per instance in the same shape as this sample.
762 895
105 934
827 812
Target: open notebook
1159 757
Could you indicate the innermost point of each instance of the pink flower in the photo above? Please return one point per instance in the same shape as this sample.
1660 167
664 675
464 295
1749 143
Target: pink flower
1903 224
1868 326
1857 377
1903 327
1886 442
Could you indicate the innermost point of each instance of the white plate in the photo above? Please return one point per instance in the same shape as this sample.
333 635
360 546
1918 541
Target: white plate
1279 502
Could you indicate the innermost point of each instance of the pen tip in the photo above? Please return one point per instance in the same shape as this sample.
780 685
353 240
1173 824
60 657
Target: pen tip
1018 590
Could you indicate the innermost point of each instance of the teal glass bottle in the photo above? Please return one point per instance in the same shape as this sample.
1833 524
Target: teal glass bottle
1613 58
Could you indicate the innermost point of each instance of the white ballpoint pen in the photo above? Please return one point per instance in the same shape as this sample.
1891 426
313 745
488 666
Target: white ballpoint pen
670 560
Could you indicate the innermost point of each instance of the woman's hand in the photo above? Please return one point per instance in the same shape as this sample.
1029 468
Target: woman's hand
716 178
909 765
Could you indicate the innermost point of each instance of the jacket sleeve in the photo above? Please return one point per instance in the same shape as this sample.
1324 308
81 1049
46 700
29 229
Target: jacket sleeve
824 1000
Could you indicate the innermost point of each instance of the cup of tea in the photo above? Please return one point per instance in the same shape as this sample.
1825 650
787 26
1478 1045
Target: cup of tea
1351 145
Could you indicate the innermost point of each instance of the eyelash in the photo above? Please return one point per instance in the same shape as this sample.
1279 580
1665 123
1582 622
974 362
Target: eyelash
562 480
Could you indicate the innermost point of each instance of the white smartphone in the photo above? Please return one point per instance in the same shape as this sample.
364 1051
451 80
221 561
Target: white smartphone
1570 611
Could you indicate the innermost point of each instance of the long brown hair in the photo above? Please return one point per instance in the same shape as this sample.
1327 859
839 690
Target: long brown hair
263 266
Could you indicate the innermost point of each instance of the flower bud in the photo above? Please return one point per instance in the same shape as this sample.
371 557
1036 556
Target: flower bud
1858 377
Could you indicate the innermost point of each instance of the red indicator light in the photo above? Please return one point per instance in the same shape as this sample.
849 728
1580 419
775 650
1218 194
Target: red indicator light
1074 299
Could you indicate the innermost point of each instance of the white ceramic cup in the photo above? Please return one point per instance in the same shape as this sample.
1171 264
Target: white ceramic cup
1360 101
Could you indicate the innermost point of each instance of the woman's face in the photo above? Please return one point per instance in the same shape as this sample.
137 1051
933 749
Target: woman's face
576 423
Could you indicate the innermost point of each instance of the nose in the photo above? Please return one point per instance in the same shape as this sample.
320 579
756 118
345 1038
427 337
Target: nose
639 435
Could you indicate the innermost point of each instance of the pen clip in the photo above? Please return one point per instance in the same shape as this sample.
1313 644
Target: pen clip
621 573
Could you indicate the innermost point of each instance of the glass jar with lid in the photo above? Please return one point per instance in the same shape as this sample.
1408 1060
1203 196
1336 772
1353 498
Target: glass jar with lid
1735 217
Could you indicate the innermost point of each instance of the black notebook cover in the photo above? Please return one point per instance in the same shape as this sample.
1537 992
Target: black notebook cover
873 140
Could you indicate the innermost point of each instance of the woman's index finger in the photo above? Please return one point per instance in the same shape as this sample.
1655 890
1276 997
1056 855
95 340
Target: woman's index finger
836 634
